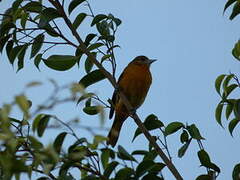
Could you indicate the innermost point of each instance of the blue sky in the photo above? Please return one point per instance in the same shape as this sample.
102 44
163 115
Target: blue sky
192 41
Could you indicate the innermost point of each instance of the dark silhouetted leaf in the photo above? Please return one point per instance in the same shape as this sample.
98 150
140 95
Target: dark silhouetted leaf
194 132
61 62
184 136
204 158
123 154
124 173
37 60
233 123
59 141
236 51
229 3
109 169
92 78
37 44
236 172
218 83
183 149
235 11
91 110
79 19
98 18
85 96
173 127
144 167
105 157
229 110
204 177
218 113
74 4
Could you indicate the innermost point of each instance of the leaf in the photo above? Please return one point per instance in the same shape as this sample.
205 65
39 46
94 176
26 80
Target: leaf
49 14
236 172
235 11
14 53
229 110
123 154
229 3
92 78
59 141
37 60
236 108
229 89
139 152
204 177
98 18
94 46
184 137
60 62
85 96
109 169
105 157
35 144
91 110
89 38
40 123
33 7
117 21
37 44
74 4
194 132
236 51
218 113
79 19
218 83
227 80
151 123
21 57
124 174
173 127
204 158
88 65
144 167
3 41
183 149
233 123
9 48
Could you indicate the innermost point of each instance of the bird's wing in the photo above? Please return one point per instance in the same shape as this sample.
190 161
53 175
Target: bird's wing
115 97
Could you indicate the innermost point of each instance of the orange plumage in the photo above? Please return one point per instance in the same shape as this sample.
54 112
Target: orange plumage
134 82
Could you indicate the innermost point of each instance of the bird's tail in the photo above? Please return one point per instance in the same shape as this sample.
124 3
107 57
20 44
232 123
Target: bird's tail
115 130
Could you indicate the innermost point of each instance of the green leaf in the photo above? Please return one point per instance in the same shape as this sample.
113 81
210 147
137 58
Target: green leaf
157 168
235 11
98 18
229 110
236 51
79 19
151 123
50 14
109 169
74 4
229 89
60 62
117 21
227 80
204 158
184 137
37 60
218 113
9 48
194 132
233 123
41 123
236 172
92 78
85 96
144 167
24 19
103 29
88 65
123 154
3 41
139 152
37 44
236 108
35 144
94 46
204 177
21 57
218 83
89 38
229 3
33 7
173 127
151 155
105 157
14 53
124 174
183 149
59 141
91 110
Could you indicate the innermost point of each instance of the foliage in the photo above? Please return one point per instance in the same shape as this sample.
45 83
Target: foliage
30 29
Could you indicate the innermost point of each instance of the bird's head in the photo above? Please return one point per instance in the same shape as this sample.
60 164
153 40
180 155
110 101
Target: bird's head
143 60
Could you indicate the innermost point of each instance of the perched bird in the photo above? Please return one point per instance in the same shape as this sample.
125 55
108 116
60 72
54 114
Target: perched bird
134 82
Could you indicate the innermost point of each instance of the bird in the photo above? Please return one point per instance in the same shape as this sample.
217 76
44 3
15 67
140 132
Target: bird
134 83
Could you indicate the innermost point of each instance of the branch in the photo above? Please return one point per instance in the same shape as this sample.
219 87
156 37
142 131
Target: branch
137 120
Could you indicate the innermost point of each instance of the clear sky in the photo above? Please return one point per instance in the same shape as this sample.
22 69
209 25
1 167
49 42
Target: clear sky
192 41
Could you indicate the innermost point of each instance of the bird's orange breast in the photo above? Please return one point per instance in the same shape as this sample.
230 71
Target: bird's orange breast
135 83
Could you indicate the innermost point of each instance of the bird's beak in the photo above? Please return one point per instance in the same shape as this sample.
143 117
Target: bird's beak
151 61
